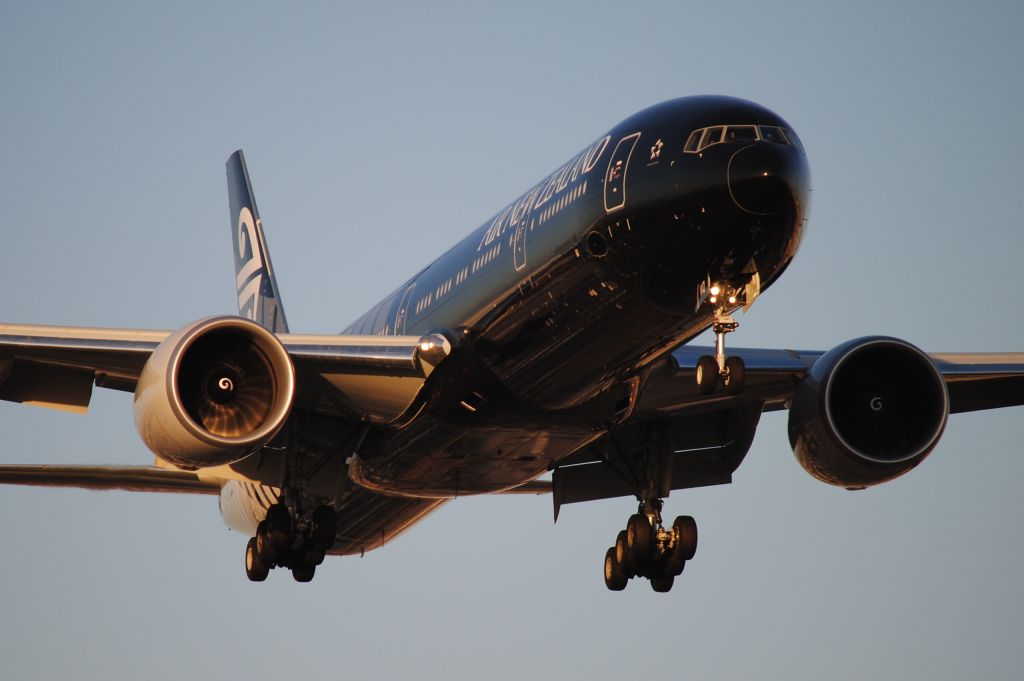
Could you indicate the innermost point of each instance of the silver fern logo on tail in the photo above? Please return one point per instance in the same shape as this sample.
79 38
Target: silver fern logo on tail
255 284
249 281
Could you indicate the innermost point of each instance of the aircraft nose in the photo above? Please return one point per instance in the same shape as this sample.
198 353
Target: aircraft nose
767 178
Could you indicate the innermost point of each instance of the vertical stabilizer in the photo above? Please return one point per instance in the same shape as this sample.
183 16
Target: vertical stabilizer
258 297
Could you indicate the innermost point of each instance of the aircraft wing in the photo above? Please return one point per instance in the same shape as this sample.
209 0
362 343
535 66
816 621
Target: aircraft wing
975 381
711 434
57 366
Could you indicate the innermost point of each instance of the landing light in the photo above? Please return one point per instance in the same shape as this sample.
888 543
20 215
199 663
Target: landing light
713 299
715 290
426 346
732 300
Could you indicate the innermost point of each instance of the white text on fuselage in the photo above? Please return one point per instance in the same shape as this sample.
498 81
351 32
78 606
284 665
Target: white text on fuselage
548 189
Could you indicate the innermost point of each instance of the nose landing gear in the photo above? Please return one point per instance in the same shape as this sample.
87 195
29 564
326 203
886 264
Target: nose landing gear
646 548
730 370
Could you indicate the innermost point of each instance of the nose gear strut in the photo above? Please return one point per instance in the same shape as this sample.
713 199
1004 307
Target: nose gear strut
710 369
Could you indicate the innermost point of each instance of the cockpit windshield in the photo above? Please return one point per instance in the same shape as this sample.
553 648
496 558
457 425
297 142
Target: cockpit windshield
741 133
701 139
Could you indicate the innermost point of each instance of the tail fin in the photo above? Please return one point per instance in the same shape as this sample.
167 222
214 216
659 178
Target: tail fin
258 297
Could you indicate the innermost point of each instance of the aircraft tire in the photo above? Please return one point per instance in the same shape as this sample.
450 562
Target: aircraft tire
674 565
623 556
735 375
614 578
663 583
264 546
638 539
255 569
707 374
685 528
324 527
313 556
303 573
279 526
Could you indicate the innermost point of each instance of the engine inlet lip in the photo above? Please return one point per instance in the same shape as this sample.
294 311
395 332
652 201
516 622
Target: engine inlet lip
929 442
268 345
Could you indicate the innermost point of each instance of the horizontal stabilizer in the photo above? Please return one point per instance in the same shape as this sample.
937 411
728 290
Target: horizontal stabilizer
126 478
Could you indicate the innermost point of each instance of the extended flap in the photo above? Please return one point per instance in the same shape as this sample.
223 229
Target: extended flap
46 385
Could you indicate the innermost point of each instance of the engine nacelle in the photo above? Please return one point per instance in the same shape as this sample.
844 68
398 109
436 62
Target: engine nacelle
868 411
213 392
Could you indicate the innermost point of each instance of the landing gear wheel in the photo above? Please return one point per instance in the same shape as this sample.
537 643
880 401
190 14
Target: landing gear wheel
674 565
303 573
324 527
264 546
685 530
735 375
614 578
279 526
312 557
623 556
707 374
663 583
638 538
255 569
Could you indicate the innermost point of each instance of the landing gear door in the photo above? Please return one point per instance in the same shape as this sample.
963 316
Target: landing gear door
615 175
519 245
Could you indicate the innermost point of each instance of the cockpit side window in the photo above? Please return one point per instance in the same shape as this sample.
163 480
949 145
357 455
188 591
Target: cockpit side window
711 136
693 142
795 141
770 133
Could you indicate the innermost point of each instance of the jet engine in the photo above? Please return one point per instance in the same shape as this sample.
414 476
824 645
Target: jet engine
868 411
213 392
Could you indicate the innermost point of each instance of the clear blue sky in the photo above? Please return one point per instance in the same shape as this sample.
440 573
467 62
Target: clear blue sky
377 135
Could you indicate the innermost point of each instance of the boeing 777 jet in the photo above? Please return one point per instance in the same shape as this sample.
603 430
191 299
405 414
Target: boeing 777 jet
551 340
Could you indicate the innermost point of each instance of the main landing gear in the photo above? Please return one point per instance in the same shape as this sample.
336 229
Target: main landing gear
281 541
646 548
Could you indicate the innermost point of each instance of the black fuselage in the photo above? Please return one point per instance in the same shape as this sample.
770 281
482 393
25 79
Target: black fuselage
559 303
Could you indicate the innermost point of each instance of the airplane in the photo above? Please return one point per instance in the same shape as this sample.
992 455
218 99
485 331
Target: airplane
553 339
